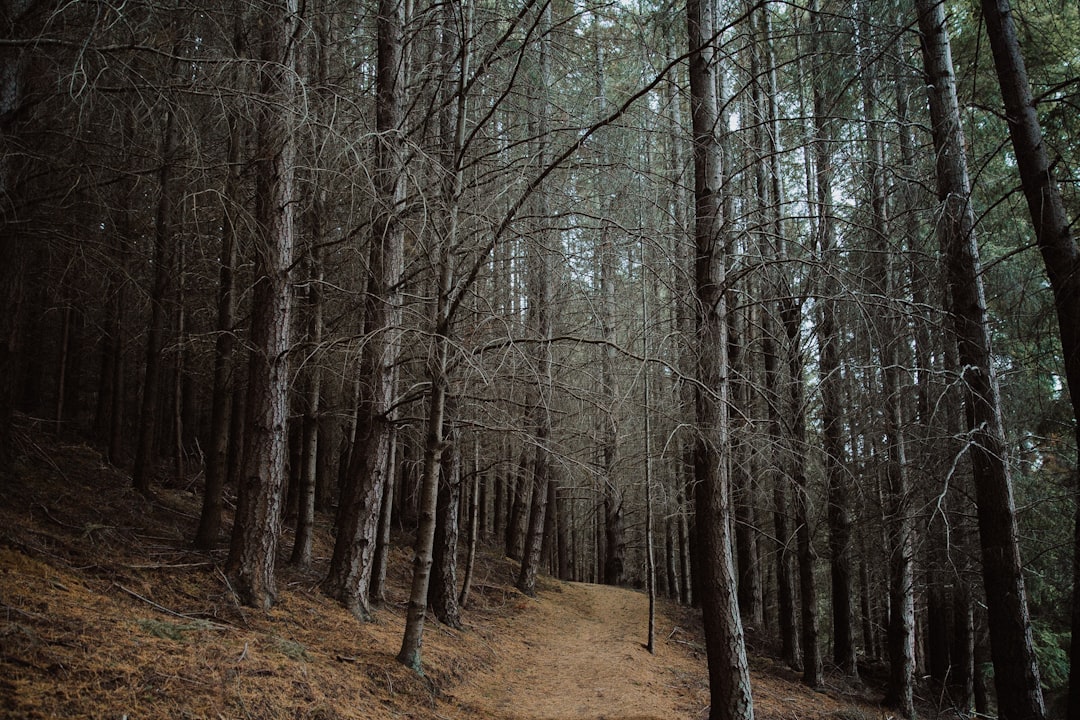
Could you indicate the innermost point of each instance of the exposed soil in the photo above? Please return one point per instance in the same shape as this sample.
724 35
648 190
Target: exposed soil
578 651
105 612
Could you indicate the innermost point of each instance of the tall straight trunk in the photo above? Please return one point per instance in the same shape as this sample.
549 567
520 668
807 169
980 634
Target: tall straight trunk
838 490
1058 246
434 447
454 33
519 483
564 525
774 251
900 548
811 652
650 556
222 399
615 535
257 527
109 414
746 558
164 256
349 577
311 384
729 675
312 387
541 298
1016 672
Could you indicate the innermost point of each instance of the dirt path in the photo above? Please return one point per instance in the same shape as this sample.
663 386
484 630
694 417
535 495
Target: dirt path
578 652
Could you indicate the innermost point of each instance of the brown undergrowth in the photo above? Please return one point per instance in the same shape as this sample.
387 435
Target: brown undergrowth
106 612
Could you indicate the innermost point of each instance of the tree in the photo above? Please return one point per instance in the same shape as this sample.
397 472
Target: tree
1057 245
454 31
1016 673
729 675
541 297
890 337
349 576
257 527
164 270
222 398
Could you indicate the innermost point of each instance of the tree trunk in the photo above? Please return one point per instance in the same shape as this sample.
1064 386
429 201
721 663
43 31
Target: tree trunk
442 590
888 331
454 33
349 577
312 386
541 299
257 527
434 446
381 559
1016 672
164 255
474 527
1053 232
222 400
729 676
747 562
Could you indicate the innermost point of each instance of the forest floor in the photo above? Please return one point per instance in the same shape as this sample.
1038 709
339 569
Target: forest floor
106 612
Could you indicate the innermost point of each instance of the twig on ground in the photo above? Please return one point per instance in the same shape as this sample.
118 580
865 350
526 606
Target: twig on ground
162 608
235 597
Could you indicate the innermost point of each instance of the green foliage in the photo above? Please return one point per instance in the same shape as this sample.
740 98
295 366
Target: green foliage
1050 649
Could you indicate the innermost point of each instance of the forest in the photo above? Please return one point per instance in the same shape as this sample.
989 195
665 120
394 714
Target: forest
770 308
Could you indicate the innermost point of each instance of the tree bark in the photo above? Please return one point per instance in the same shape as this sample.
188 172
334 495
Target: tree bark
442 590
454 32
888 331
1058 246
381 559
541 299
349 577
729 676
1016 672
312 386
476 481
257 527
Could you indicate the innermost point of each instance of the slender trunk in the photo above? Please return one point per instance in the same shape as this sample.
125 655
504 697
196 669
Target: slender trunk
614 539
222 401
442 588
164 254
381 560
650 556
434 446
811 653
455 32
747 563
474 527
1016 672
309 422
901 631
541 299
311 401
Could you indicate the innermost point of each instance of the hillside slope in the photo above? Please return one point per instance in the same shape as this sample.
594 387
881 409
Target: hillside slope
105 612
